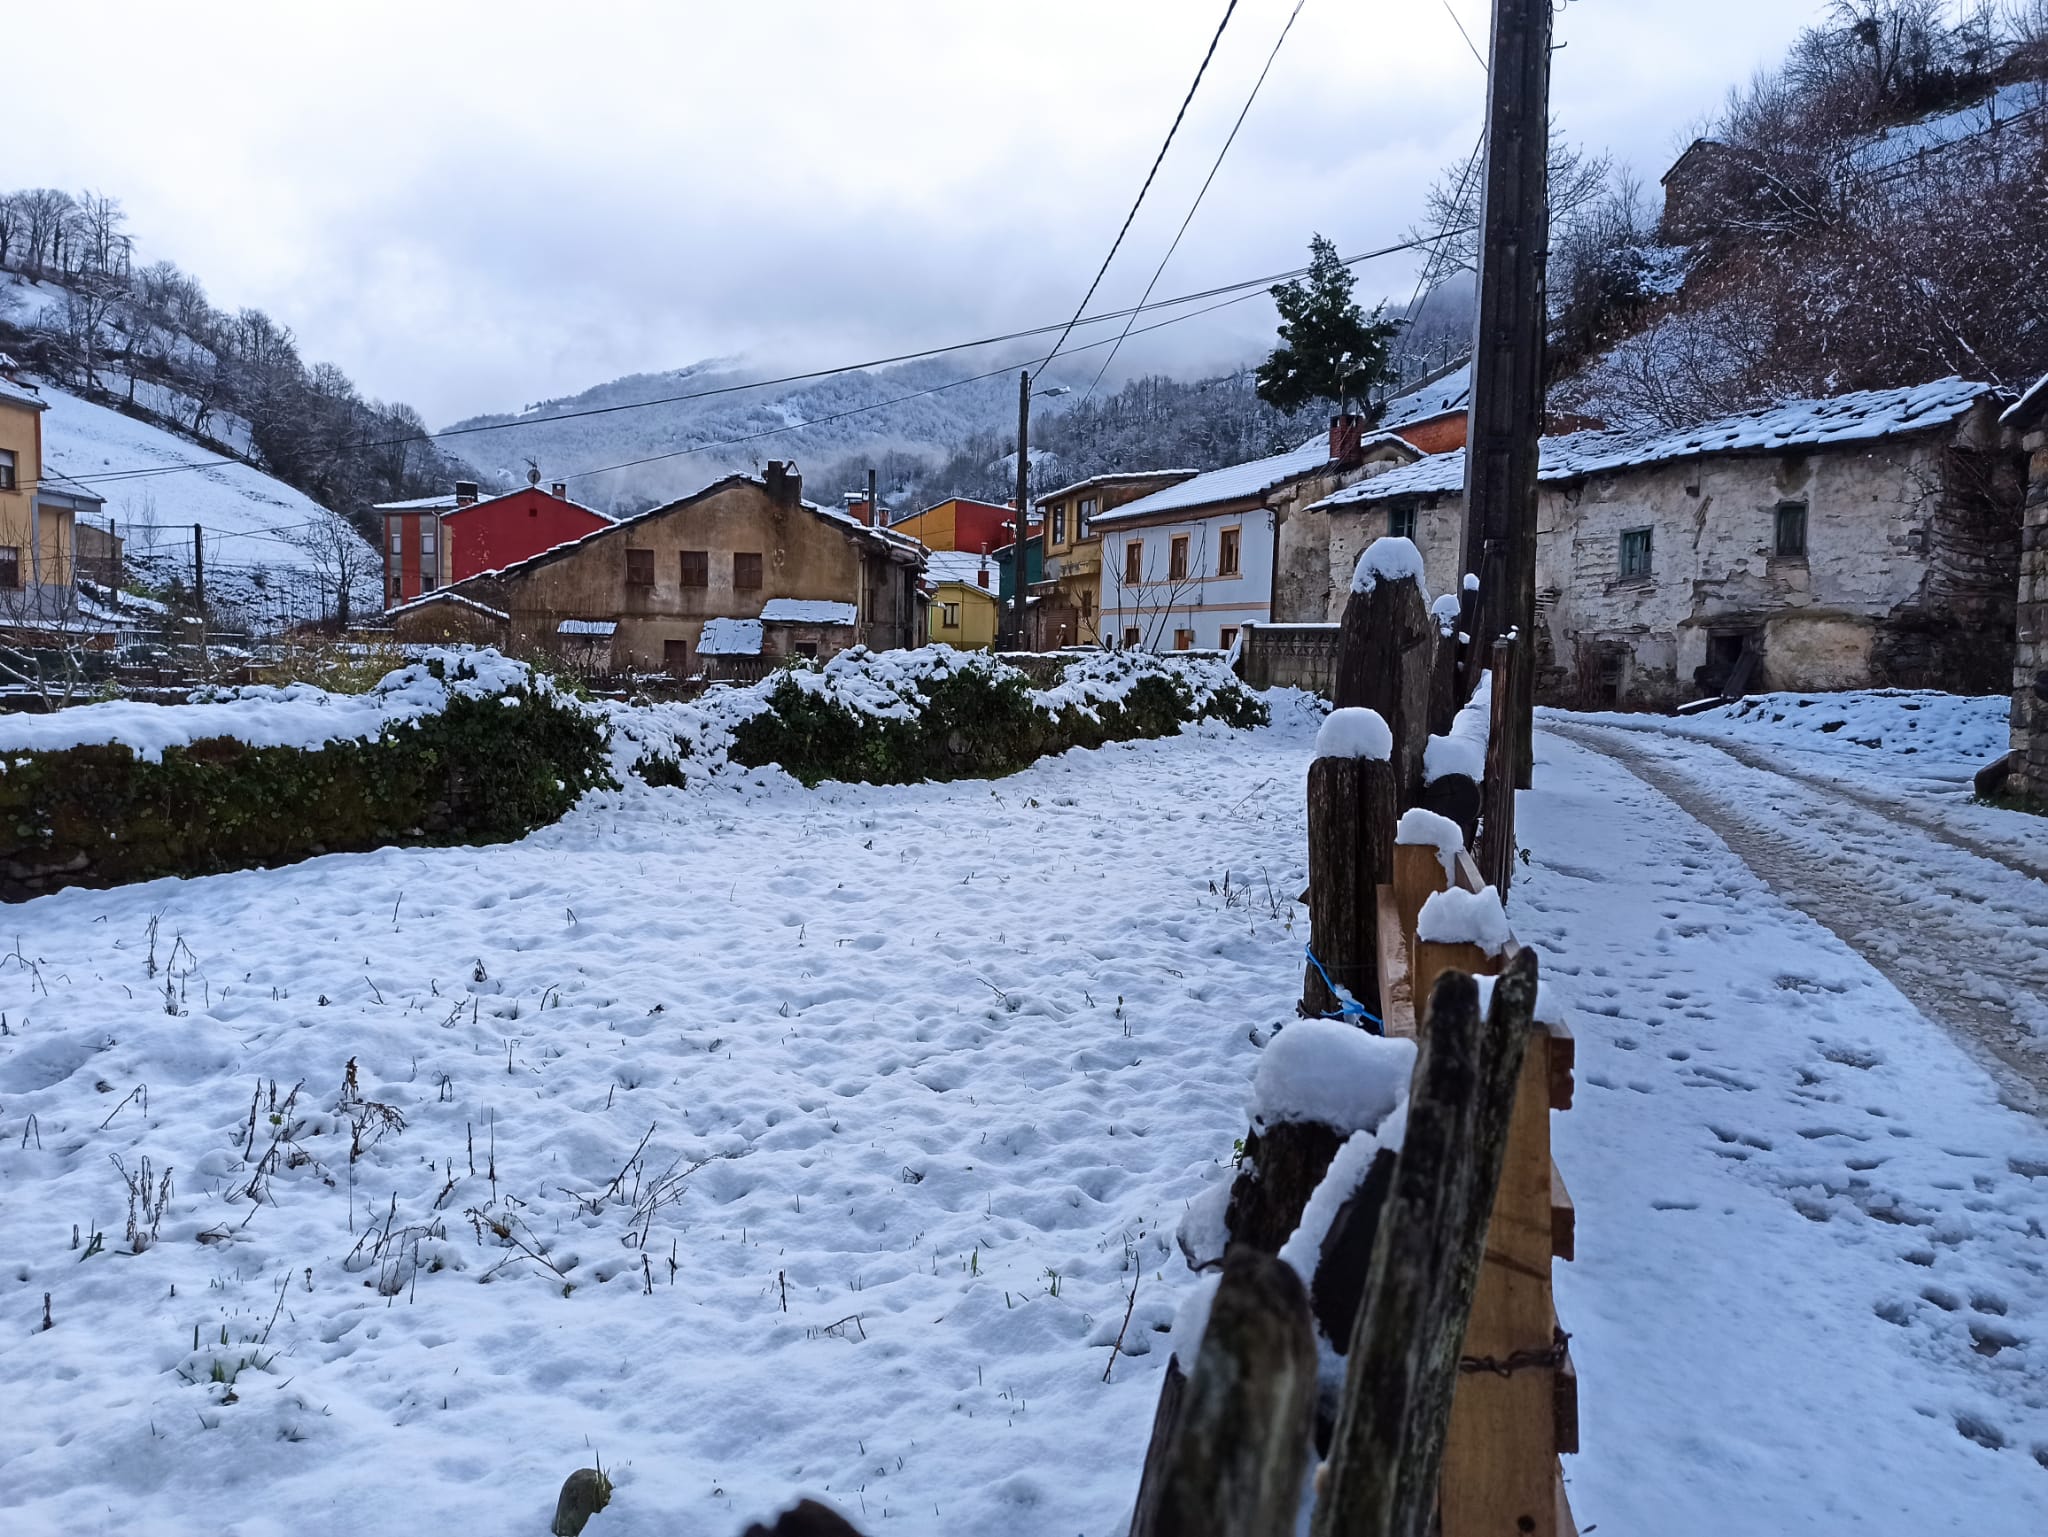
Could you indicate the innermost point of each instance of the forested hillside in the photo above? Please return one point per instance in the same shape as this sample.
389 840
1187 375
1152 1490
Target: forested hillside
1872 212
78 310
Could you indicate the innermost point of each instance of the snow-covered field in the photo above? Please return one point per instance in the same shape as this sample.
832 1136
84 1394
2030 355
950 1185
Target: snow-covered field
927 1076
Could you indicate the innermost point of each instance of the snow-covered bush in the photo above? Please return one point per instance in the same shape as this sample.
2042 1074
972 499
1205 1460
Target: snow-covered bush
904 716
456 748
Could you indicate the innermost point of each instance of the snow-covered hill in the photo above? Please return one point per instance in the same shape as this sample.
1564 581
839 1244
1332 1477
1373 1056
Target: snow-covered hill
272 553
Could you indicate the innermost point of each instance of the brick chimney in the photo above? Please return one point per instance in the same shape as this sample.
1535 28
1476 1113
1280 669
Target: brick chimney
465 493
560 490
1347 439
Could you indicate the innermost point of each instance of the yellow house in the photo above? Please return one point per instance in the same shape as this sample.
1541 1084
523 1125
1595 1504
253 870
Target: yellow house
964 607
1066 614
38 513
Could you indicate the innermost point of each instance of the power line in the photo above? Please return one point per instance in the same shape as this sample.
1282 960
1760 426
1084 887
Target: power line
1147 187
1476 54
1204 192
1241 289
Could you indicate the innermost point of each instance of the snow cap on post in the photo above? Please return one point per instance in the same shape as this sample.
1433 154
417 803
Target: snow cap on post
1471 582
1459 917
1391 559
1330 1073
1355 733
1446 609
1425 829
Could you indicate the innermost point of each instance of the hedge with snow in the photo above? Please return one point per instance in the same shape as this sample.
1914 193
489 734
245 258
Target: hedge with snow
456 748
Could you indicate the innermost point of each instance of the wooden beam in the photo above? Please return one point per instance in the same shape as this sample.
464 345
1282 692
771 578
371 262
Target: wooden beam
1385 645
1387 1449
1564 1056
1240 1450
1564 1217
1397 991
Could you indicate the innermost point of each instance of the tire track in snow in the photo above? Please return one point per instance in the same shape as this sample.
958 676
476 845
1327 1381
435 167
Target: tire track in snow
1960 930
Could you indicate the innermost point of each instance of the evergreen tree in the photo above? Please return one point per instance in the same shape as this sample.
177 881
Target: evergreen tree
1329 348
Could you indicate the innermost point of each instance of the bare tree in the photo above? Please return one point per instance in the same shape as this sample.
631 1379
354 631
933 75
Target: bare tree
342 558
45 635
1149 603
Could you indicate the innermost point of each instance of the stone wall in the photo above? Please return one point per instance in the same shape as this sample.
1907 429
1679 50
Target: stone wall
1290 656
2030 668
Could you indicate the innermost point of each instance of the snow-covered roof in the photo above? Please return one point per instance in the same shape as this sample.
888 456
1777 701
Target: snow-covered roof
65 488
485 501
21 394
1862 416
602 629
1115 478
1448 391
808 611
448 595
1232 484
730 637
2029 406
418 504
447 501
962 566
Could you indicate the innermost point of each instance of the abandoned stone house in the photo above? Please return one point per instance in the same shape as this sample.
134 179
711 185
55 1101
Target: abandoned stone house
1869 539
2029 761
637 595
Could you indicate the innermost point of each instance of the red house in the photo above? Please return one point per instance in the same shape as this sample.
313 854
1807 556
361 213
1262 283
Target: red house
434 540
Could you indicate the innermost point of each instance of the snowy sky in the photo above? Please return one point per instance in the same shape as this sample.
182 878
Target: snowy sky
473 207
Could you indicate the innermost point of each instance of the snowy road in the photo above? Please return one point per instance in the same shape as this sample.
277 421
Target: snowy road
945 1064
1957 919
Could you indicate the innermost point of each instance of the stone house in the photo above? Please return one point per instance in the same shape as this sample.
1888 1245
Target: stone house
1864 539
2028 775
1188 567
745 548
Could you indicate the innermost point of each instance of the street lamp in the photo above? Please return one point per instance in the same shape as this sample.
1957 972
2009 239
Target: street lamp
1022 563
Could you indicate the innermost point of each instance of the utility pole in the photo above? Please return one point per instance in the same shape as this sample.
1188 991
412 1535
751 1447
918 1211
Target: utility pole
199 570
1506 420
1020 564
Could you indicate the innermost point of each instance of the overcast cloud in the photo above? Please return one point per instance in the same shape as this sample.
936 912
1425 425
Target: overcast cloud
474 207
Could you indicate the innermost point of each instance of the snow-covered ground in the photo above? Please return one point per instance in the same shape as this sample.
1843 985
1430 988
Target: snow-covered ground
946 1063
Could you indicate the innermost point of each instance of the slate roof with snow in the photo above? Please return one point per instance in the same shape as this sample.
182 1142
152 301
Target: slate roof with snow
1233 483
22 394
1447 392
602 629
961 566
448 595
417 504
730 637
1113 478
1862 416
2032 404
808 611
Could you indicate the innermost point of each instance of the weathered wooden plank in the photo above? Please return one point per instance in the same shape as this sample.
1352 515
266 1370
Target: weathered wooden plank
1282 1167
1418 876
1386 1453
1385 645
1564 1218
1429 961
1566 1526
1241 1448
1173 1398
1565 1405
1397 993
1564 1056
1502 1446
1351 817
1496 848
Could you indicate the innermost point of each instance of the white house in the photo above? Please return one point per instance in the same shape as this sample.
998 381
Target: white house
1189 566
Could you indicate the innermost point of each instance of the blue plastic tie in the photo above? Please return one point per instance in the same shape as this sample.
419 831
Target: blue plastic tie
1348 1007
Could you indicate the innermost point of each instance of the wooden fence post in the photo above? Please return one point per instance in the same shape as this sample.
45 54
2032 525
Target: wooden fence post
1385 649
1241 1440
1386 1452
1351 817
1504 751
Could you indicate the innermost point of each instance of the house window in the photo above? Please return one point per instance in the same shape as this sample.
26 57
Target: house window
807 648
949 616
10 566
1177 562
639 568
397 536
1635 553
1401 522
1084 514
7 469
1227 547
1134 561
397 587
1227 636
1130 636
675 657
426 538
427 580
1059 524
1087 605
1183 640
1791 530
746 573
696 568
